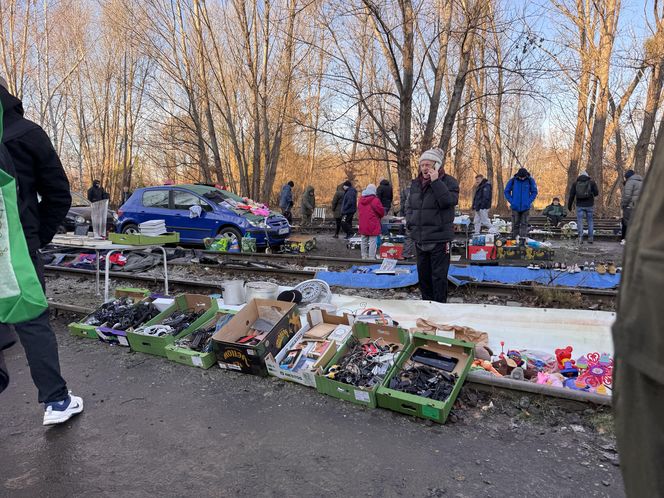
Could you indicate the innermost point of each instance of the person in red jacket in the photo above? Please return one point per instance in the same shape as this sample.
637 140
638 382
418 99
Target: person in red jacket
371 211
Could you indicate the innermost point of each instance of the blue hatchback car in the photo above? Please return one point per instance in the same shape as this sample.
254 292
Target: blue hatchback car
172 202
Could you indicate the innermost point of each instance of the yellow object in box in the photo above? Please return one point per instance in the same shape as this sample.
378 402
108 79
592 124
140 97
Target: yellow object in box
300 243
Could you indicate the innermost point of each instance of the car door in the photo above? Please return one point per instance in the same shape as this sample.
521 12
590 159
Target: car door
153 205
191 229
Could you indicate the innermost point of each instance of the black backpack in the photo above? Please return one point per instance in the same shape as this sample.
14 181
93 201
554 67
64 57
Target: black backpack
584 189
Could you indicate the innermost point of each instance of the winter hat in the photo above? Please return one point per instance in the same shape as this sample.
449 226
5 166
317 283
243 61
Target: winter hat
556 199
522 172
3 83
291 184
629 173
370 190
347 183
584 173
433 155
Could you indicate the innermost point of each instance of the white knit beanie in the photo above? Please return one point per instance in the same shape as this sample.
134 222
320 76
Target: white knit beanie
370 190
434 155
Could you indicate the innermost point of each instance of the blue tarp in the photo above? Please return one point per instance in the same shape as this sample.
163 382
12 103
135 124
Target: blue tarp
461 275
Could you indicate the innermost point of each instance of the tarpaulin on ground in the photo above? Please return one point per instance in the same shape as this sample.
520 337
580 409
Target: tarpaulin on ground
362 277
460 275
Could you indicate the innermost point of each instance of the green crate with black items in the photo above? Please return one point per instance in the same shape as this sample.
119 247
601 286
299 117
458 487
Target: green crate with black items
261 327
87 327
187 313
125 315
427 378
363 363
195 349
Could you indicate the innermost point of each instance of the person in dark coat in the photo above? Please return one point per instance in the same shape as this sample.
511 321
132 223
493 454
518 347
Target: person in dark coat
521 192
583 191
337 200
44 200
482 204
638 375
348 208
430 219
126 194
308 205
96 193
286 201
630 194
385 194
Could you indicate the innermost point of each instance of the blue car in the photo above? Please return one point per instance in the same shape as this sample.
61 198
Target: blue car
172 203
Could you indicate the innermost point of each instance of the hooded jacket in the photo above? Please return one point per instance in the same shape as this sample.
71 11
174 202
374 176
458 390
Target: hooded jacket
521 193
349 202
286 197
553 210
590 201
385 194
308 201
631 191
430 209
337 200
482 196
371 210
38 171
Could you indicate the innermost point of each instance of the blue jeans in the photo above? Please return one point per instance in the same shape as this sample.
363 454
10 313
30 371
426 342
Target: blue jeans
588 212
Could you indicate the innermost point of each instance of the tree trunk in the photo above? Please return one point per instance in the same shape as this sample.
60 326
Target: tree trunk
650 112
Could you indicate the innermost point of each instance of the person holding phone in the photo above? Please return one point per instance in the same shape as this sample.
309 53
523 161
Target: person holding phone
430 220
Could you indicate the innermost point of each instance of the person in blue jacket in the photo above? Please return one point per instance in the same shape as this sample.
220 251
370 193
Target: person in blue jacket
286 200
521 192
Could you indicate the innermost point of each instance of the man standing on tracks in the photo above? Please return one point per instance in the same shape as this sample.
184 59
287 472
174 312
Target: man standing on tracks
630 194
348 208
337 201
481 204
286 201
39 173
308 205
584 190
521 192
638 395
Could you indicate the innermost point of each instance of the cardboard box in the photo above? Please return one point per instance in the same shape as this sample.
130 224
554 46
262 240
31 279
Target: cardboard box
81 329
315 320
300 243
251 359
157 345
364 332
541 254
388 250
481 253
419 406
193 358
510 252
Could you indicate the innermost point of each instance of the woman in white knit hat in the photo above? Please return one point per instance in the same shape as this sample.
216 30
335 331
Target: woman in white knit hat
430 219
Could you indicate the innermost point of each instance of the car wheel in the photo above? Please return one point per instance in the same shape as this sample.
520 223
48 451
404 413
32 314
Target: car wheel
130 228
231 233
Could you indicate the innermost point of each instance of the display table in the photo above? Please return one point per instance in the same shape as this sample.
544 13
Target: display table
87 243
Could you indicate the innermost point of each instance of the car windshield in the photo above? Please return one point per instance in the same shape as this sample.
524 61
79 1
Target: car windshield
77 200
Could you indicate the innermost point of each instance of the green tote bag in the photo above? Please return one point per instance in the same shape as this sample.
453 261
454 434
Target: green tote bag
21 294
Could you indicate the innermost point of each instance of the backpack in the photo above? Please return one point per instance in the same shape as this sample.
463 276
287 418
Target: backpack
21 295
583 189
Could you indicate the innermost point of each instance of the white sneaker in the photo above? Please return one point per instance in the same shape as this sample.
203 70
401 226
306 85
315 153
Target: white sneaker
61 411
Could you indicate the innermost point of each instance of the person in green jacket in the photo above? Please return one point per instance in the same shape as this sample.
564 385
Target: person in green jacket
308 205
555 212
638 338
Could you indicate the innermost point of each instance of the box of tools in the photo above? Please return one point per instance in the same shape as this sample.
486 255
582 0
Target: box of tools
187 313
427 378
310 349
88 326
363 362
195 349
262 327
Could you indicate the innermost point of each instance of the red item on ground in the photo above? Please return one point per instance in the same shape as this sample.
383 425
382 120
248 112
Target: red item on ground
370 212
389 250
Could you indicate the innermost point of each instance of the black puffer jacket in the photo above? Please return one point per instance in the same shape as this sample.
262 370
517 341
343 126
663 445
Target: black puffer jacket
38 171
430 211
385 195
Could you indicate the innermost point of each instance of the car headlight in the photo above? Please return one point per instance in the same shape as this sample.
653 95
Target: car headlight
258 224
79 220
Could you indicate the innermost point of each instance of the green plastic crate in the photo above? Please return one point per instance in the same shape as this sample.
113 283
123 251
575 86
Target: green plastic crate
80 329
358 395
192 358
137 239
157 345
419 406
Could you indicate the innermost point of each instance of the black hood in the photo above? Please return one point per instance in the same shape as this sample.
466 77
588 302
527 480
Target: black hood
385 182
523 172
483 182
12 106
